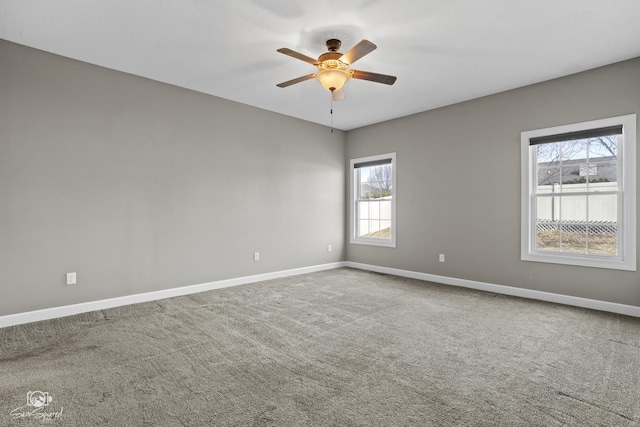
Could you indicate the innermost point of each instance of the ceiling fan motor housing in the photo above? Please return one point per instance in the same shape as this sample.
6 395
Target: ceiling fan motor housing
329 56
333 45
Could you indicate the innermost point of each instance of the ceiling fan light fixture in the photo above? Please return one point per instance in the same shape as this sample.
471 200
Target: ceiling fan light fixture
332 79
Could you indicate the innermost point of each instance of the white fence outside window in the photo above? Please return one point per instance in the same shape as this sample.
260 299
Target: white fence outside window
574 213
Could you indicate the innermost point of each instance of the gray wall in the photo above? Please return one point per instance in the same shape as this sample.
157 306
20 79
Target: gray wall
448 158
140 186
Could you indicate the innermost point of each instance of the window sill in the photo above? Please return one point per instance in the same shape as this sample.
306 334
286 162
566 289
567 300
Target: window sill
374 242
581 261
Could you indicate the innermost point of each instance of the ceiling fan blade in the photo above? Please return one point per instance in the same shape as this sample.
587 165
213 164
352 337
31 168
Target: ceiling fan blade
358 51
298 55
374 77
338 94
294 81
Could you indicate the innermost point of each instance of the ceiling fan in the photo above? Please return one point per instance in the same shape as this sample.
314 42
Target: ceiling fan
333 67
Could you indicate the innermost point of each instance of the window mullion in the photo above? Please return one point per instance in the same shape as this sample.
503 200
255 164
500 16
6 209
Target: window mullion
587 226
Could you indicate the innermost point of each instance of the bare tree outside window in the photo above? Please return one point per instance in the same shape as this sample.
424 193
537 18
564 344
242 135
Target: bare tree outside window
379 183
550 158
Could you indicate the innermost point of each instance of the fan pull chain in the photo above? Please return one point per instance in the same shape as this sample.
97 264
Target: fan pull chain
331 112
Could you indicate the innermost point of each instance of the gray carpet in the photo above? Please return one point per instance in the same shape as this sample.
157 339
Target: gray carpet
336 348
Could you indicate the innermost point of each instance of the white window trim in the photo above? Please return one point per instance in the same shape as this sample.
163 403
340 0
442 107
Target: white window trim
627 234
372 241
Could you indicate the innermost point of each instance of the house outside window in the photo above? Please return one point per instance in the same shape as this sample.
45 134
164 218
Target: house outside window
373 200
578 194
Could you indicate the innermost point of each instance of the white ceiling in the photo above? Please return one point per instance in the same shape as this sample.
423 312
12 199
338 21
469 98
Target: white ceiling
442 51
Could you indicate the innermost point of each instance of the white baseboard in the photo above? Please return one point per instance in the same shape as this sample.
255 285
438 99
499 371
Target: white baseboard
68 310
629 310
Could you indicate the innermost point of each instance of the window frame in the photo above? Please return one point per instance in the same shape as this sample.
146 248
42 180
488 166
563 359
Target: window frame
626 222
353 197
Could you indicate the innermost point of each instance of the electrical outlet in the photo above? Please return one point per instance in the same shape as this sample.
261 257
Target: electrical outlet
441 258
329 248
71 278
256 256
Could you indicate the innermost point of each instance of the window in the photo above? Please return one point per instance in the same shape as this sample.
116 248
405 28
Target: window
373 200
578 194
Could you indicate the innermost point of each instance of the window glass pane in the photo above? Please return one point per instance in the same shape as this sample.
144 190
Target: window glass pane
548 208
385 209
548 164
573 224
547 224
573 238
385 224
379 179
363 210
571 173
365 191
547 176
603 164
604 146
363 228
385 230
603 208
374 209
573 209
603 225
603 174
588 169
603 244
362 175
548 154
574 159
574 150
548 240
374 228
